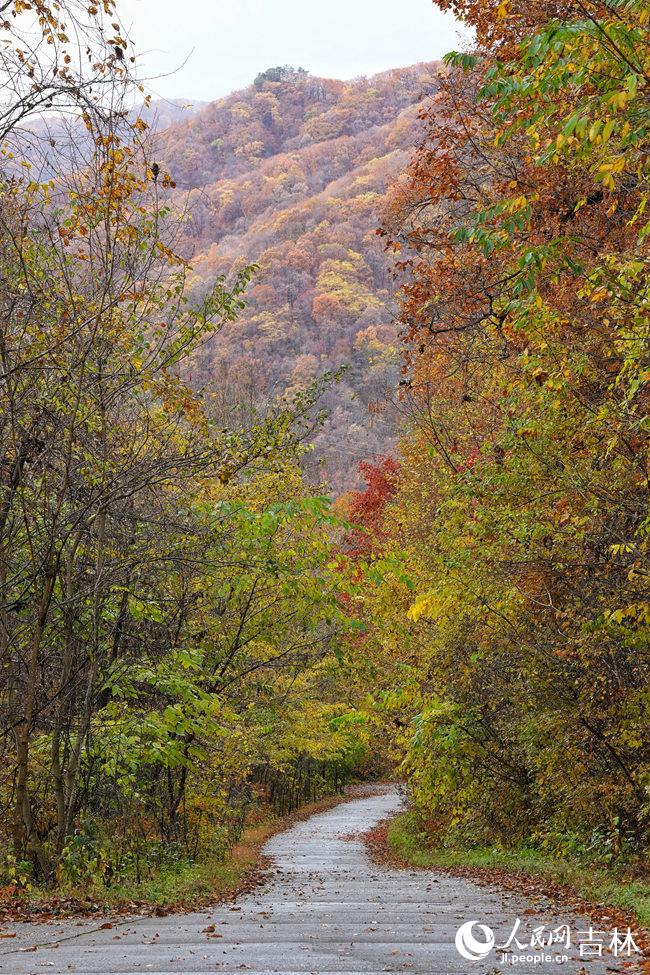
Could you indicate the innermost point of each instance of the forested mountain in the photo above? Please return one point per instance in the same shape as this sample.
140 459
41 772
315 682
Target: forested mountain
290 173
191 629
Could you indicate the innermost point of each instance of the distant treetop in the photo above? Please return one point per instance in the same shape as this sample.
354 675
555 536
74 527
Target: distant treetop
279 73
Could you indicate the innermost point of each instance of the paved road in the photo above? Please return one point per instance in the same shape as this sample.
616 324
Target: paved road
325 909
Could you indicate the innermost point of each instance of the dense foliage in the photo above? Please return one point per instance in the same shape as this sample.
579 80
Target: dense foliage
511 592
185 623
169 622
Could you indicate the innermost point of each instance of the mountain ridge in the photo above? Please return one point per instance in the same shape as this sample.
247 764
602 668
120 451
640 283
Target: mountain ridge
292 174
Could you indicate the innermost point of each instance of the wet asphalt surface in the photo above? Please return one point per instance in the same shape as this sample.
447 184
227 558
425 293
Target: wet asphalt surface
325 908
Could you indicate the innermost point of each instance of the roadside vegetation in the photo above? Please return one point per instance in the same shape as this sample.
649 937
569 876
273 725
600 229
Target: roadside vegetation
170 614
621 883
506 587
190 629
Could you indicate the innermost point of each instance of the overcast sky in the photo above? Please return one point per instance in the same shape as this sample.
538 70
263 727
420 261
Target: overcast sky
208 48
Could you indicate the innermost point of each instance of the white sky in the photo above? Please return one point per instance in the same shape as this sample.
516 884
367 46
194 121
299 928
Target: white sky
225 43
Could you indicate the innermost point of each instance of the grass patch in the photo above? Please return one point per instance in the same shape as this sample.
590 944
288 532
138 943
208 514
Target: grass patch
620 886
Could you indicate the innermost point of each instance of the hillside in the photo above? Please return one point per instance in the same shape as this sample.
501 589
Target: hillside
290 173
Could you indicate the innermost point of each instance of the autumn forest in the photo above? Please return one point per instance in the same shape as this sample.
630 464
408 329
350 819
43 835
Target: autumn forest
323 450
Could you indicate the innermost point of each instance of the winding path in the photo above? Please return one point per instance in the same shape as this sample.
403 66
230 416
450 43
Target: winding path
326 908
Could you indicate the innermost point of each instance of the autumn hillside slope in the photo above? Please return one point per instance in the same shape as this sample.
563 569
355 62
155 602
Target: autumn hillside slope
290 173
